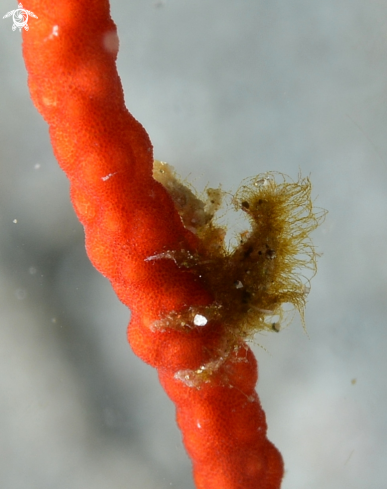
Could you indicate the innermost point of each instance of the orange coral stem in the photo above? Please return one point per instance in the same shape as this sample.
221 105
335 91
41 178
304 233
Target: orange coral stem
129 217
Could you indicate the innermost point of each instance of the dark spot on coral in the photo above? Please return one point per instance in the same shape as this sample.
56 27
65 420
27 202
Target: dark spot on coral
248 252
246 297
270 254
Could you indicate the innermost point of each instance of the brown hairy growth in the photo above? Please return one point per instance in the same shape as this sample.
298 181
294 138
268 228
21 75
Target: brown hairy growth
253 281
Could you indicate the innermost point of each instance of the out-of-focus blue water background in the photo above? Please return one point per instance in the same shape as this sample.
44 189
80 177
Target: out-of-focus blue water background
226 89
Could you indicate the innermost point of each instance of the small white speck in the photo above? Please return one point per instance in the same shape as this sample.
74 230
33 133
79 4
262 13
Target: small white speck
198 424
264 181
108 176
15 221
54 33
32 270
200 320
37 166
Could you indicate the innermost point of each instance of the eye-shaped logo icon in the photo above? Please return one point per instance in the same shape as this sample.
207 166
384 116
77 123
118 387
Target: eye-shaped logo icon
20 17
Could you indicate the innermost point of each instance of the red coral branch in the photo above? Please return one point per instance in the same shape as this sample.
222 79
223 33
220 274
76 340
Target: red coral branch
129 219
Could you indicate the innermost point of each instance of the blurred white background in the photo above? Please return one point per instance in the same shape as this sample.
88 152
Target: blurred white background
226 89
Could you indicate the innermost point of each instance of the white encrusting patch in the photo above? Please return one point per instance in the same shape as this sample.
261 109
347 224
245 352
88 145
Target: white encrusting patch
168 255
108 176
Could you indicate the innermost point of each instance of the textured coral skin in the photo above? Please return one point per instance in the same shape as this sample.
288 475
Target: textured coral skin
70 53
